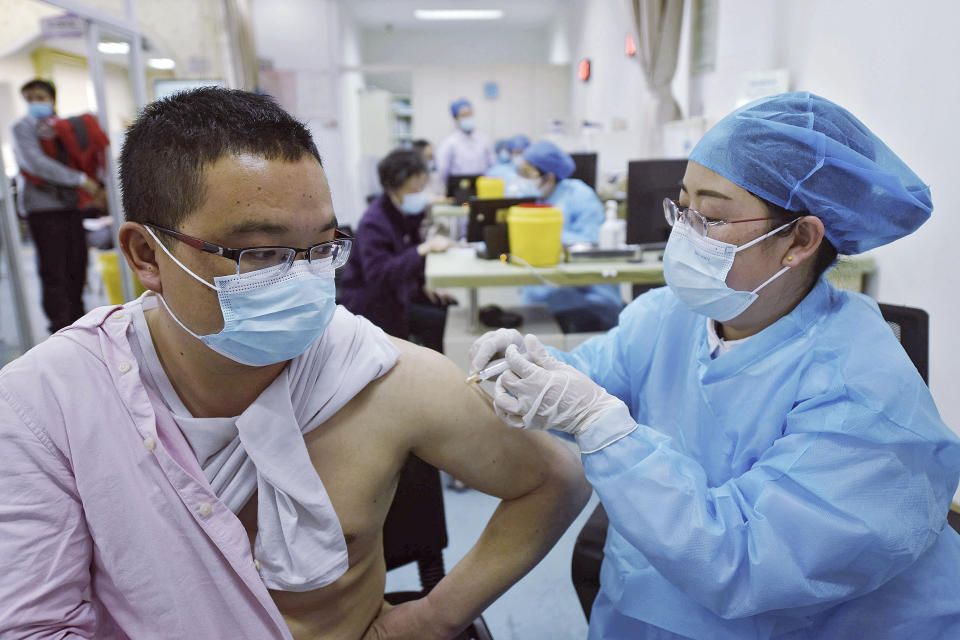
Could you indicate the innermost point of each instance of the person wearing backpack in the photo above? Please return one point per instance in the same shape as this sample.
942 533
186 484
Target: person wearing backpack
58 185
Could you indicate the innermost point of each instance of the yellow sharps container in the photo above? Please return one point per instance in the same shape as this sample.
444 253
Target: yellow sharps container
110 266
534 230
488 187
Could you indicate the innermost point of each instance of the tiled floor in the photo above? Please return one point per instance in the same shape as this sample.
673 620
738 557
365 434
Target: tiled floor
543 605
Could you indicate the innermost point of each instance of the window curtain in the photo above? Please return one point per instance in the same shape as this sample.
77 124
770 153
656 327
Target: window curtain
658 29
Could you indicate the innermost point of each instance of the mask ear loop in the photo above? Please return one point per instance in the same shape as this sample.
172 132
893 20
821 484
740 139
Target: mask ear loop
767 235
772 278
180 264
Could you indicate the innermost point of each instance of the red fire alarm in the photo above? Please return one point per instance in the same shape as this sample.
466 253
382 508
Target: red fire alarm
629 46
583 69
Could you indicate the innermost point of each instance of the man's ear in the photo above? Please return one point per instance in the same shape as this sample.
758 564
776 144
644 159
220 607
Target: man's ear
138 248
807 237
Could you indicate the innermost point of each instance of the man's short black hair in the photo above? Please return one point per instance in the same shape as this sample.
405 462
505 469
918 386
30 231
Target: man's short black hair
40 83
399 166
420 145
174 139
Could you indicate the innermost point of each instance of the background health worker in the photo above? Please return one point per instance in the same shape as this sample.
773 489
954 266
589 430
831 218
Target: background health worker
771 462
465 151
546 169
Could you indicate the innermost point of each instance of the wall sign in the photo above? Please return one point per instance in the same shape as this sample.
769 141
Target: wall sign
583 69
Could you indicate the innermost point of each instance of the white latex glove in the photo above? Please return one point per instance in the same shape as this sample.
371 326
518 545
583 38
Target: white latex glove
491 344
544 393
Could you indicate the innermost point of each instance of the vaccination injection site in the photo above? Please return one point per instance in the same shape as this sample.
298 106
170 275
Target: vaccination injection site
479 320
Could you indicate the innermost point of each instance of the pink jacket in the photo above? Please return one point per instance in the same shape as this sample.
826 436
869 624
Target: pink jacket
108 528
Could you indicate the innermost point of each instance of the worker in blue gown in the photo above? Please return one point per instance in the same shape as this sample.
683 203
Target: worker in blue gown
545 171
509 152
504 167
772 464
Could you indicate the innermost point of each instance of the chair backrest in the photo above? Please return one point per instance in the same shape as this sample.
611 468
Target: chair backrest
416 528
911 326
585 168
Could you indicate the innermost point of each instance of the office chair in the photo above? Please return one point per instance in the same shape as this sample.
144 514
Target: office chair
909 325
416 531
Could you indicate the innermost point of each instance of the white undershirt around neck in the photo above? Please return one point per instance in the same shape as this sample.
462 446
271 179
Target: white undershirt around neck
207 436
719 346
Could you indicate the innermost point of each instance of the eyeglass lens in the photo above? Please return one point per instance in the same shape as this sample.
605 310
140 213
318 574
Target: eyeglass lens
675 213
266 258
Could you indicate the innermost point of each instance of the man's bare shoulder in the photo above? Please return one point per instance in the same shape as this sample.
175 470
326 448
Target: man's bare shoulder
425 370
424 391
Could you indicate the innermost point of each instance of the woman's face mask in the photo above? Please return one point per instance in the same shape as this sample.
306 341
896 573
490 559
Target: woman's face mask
695 268
527 187
413 203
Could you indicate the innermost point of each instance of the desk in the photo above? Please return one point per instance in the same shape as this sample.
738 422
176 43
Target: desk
449 210
462 268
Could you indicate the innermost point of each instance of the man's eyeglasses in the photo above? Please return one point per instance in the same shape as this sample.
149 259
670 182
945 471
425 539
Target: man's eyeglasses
674 213
256 258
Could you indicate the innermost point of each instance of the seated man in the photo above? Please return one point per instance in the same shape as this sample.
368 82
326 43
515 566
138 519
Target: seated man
131 441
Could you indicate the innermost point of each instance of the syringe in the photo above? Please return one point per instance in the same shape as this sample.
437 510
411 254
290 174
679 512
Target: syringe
494 369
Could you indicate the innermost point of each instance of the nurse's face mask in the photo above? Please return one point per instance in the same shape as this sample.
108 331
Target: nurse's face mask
275 306
695 266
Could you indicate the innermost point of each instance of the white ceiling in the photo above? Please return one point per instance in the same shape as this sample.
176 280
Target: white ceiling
398 14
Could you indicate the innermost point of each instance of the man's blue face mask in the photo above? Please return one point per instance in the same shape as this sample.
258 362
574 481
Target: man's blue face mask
40 110
271 315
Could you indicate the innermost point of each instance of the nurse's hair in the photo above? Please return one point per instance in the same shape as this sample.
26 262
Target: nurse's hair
826 255
399 166
174 139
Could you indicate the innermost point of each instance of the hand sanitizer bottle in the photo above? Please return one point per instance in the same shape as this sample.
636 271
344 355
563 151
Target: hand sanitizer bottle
613 232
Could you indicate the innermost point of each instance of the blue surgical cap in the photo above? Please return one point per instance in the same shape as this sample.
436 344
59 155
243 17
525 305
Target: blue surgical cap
805 153
549 158
456 105
518 142
501 144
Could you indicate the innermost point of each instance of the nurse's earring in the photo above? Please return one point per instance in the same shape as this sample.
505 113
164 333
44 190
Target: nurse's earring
789 258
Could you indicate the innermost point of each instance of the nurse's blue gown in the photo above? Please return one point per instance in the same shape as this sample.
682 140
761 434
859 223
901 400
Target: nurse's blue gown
793 487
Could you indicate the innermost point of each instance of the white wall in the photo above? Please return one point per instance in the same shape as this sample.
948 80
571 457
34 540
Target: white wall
616 96
894 67
311 40
529 96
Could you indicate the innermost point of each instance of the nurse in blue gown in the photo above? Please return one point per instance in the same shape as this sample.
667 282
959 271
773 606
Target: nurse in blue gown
771 462
545 172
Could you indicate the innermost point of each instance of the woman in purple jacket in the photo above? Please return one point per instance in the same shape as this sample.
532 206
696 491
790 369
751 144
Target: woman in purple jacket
384 279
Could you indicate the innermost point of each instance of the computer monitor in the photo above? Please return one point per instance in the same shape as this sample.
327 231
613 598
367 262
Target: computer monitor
487 211
586 168
461 187
648 183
